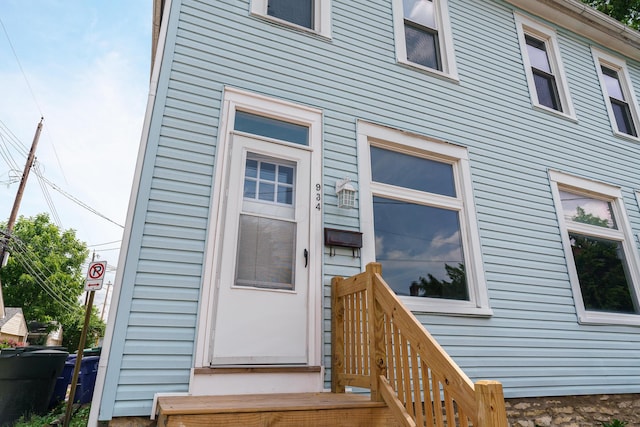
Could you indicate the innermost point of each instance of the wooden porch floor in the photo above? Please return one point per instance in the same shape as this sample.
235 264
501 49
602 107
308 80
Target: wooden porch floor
294 409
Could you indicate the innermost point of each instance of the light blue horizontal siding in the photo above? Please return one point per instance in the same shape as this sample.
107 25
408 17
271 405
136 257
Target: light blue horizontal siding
354 77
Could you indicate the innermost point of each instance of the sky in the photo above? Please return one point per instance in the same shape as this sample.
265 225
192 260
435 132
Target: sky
83 65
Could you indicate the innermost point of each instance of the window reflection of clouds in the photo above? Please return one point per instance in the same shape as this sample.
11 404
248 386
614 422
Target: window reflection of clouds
413 241
420 11
417 173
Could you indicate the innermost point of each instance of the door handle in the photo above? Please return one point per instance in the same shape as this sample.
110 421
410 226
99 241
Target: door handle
306 258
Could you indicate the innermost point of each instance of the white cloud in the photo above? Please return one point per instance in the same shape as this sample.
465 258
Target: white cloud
87 67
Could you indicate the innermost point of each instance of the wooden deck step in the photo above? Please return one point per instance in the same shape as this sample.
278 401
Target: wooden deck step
295 409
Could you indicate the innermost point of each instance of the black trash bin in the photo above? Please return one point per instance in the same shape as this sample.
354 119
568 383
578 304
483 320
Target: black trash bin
27 380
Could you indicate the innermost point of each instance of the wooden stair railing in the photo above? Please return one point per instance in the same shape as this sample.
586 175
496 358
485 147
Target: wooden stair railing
379 345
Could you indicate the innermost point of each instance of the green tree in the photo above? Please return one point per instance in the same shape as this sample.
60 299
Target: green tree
44 276
434 288
625 11
601 273
587 218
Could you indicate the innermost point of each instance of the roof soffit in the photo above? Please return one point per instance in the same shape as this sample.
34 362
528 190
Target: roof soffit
586 21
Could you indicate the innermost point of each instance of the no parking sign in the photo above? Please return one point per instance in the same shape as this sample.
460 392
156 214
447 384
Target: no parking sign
95 276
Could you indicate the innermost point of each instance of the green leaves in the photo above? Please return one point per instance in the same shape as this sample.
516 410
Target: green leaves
625 11
44 275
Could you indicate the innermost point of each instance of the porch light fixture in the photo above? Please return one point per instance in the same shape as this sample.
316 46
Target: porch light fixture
346 193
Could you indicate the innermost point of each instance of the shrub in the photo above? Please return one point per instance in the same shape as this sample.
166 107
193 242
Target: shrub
10 343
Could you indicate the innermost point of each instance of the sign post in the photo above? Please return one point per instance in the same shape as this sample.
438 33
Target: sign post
95 278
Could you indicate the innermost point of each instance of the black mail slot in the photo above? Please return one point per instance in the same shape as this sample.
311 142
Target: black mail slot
342 238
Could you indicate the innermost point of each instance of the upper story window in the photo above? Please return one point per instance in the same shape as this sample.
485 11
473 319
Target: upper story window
548 87
619 105
618 92
423 36
599 246
417 202
313 15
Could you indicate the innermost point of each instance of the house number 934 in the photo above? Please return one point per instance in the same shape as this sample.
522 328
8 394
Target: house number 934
318 197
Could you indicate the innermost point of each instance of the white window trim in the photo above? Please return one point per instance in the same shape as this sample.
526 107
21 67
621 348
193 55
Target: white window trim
637 193
233 100
445 38
321 13
372 134
623 234
539 31
620 66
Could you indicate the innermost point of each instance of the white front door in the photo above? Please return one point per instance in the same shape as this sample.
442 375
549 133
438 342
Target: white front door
262 305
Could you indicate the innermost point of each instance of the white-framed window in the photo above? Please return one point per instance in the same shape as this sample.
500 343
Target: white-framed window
313 15
543 65
419 220
601 253
620 99
423 35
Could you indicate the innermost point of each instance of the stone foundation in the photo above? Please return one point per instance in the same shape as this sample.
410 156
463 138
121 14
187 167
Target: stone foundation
561 411
574 411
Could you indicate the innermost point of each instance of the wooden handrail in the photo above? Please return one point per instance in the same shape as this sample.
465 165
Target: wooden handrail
378 344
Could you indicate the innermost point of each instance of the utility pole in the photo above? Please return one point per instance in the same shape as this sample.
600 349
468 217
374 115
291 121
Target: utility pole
6 235
4 253
104 305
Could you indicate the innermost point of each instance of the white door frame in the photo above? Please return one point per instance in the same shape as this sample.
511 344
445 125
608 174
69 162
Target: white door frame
234 100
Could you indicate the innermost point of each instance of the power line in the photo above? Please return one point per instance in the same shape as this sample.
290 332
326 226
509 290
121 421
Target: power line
75 199
14 140
47 195
104 244
109 249
20 66
42 275
6 138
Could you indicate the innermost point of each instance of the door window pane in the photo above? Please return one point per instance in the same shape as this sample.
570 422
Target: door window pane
265 253
587 210
298 12
268 182
271 128
420 249
602 273
417 173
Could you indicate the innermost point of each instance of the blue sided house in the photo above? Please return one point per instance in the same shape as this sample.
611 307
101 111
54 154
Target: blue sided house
484 154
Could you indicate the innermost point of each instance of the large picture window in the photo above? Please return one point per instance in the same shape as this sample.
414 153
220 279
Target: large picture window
599 246
423 36
417 198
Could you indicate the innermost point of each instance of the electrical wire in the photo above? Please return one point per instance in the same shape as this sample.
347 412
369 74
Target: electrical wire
75 199
42 275
104 244
47 195
13 140
6 154
20 66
